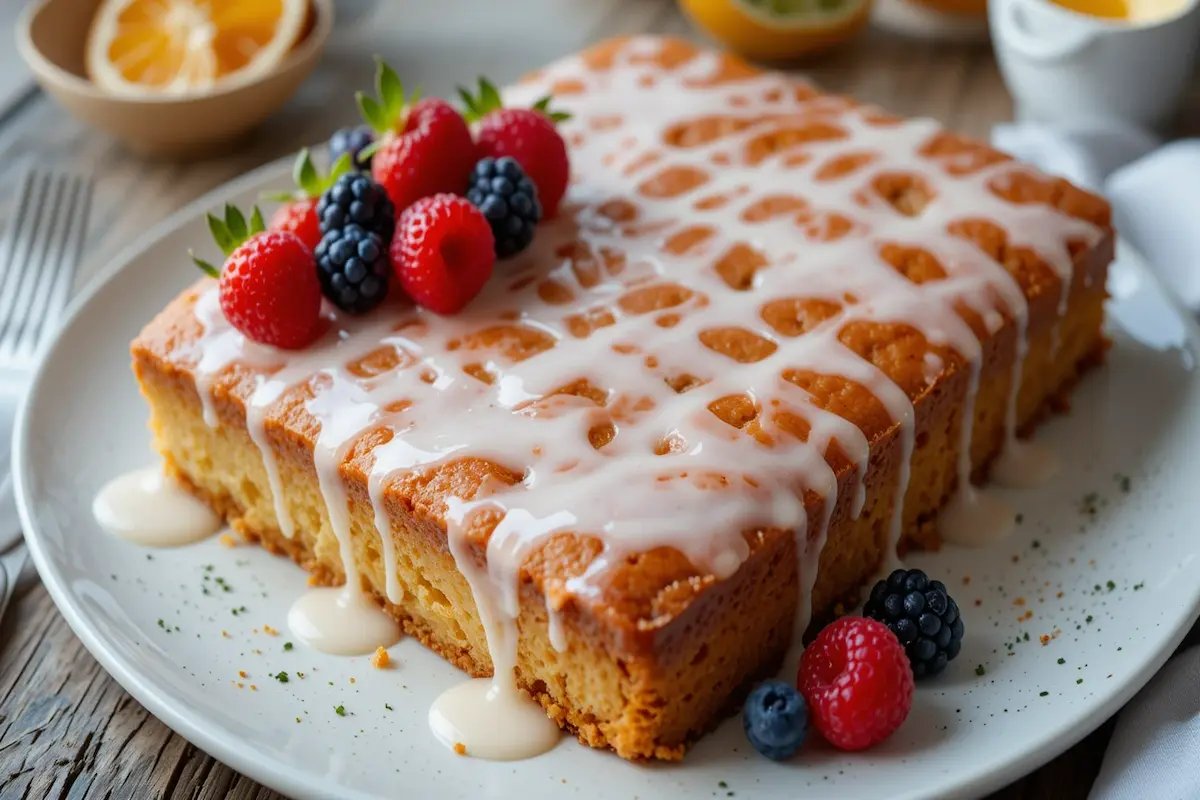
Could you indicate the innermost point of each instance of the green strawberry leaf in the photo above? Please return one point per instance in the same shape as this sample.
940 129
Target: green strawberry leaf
470 112
478 106
235 221
370 150
344 163
229 233
487 99
389 89
208 268
543 106
305 174
310 183
386 111
372 112
220 234
257 225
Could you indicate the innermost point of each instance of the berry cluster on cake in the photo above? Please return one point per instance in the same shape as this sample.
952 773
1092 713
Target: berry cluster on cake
621 406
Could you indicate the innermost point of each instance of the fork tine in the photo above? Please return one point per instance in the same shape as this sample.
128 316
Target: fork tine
72 254
20 238
58 271
28 252
45 229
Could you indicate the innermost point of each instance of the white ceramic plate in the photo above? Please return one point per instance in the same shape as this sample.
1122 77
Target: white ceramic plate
1102 562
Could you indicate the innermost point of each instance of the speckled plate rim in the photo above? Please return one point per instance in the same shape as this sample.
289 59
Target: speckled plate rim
1038 750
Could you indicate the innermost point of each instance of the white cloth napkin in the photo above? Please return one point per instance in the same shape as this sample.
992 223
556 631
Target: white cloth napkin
1153 752
1154 188
1155 194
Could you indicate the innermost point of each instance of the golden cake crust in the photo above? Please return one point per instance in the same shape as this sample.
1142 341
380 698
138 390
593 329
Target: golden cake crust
670 642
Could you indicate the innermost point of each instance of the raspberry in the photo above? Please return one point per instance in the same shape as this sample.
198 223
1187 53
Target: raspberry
298 214
443 252
353 267
775 720
298 217
857 682
528 135
500 189
355 199
423 150
268 285
922 615
352 141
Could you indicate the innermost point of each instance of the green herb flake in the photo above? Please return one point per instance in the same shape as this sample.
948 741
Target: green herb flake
287 646
1062 661
1043 694
340 711
1111 585
1078 681
1089 619
979 670
282 677
388 707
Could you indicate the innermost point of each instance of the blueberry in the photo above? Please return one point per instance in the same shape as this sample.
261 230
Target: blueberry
775 720
352 141
929 624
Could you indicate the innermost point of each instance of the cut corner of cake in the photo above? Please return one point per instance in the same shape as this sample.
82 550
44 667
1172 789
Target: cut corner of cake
771 334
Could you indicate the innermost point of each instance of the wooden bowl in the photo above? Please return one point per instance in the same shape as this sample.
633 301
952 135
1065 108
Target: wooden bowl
51 37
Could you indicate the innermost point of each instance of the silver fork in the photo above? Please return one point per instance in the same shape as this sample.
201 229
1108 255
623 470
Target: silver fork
38 257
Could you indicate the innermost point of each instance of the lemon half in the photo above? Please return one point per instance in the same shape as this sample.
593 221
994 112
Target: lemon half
773 30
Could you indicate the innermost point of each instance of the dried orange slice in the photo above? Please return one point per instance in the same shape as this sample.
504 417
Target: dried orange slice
779 29
178 47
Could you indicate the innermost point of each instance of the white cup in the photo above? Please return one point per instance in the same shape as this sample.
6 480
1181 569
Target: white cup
1062 66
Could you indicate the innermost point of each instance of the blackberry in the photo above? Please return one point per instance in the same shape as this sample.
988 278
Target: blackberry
355 199
508 198
922 615
775 720
352 141
354 267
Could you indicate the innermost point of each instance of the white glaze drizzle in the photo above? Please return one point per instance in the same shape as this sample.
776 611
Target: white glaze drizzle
718 483
148 508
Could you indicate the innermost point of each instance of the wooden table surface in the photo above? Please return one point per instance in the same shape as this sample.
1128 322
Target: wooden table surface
67 730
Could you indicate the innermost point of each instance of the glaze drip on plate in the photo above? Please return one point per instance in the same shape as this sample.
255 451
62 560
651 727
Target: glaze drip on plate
725 244
148 508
